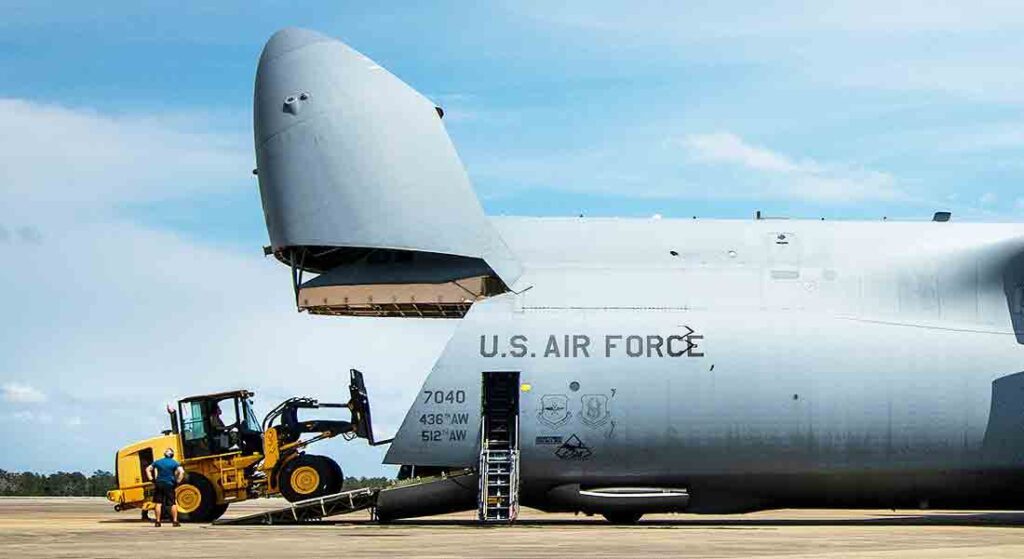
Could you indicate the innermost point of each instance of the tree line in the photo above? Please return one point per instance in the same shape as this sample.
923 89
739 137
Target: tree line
77 484
361 482
59 484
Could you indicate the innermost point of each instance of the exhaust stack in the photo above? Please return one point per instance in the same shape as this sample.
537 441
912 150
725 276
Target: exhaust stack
361 184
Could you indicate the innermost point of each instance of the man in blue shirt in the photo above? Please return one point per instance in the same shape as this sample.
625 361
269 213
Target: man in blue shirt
165 474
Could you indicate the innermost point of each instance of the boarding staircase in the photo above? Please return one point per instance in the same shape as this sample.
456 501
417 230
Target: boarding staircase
499 449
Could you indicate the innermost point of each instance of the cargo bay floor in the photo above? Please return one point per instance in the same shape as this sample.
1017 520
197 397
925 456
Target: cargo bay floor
87 527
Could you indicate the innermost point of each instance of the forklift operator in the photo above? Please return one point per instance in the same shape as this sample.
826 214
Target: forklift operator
221 437
215 421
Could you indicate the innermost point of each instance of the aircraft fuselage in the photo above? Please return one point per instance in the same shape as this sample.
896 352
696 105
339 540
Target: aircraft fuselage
857 364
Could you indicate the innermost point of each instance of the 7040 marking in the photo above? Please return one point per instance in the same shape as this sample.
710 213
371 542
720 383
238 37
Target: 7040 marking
444 396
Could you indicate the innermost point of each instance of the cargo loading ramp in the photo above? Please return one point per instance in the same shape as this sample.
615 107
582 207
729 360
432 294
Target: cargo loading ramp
388 283
459 485
310 509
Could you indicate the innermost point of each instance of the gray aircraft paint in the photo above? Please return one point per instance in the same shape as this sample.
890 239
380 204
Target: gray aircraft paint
812 348
349 155
880 349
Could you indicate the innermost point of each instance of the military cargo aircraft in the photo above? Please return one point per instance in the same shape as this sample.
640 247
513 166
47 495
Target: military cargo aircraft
629 366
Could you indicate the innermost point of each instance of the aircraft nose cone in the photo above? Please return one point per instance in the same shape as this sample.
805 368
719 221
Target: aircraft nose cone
289 39
290 80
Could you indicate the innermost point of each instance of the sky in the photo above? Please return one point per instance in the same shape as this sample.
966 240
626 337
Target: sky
131 227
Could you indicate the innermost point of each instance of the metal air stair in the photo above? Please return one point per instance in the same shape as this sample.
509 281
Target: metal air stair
499 449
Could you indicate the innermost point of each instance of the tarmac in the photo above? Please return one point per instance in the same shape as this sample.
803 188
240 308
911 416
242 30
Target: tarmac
88 527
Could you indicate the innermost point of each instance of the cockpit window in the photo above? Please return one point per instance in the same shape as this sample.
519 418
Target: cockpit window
192 421
251 423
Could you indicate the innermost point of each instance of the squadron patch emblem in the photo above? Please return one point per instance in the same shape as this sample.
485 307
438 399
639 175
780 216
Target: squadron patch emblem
554 410
574 449
595 412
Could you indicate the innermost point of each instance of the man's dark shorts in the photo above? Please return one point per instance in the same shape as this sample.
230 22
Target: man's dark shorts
163 494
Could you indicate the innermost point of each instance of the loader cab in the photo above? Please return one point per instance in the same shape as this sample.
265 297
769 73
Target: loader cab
219 424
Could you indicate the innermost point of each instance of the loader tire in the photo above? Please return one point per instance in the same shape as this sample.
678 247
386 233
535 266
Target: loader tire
337 480
196 498
306 477
218 511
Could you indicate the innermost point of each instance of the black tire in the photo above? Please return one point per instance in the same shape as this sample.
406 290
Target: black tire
337 480
218 511
306 477
623 517
197 494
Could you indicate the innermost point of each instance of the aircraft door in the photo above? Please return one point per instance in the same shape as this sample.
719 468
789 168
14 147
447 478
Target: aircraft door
500 409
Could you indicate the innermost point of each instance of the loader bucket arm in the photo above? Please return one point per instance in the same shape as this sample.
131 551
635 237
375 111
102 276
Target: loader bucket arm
290 428
359 405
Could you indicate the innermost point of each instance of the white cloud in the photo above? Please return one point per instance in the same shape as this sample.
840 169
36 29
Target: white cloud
25 416
683 22
989 76
972 138
19 393
59 159
791 178
125 318
914 15
963 49
163 318
724 147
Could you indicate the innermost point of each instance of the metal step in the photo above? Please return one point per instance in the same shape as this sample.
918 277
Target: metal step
498 485
499 453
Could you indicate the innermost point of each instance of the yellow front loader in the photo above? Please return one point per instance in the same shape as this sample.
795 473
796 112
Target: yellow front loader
229 456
